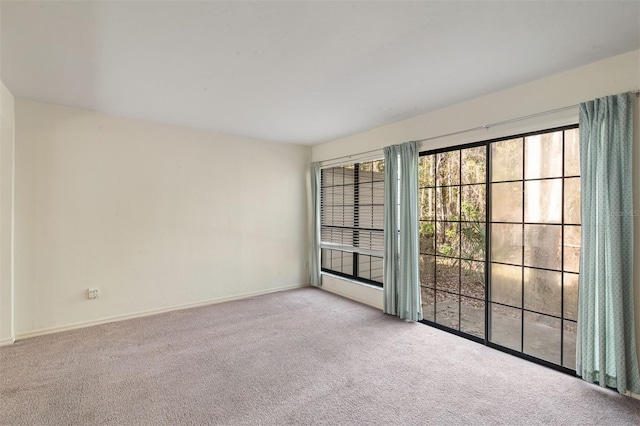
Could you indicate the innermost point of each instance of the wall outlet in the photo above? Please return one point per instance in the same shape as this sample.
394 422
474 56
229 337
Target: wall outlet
92 293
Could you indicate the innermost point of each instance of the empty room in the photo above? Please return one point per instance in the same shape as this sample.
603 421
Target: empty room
319 212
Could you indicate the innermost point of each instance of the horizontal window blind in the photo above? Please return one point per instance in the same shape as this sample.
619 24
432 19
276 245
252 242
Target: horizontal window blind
351 214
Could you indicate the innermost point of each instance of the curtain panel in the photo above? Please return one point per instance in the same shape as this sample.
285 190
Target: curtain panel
606 346
401 246
314 264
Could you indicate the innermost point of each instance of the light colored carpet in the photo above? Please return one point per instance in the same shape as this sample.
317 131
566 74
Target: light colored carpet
297 357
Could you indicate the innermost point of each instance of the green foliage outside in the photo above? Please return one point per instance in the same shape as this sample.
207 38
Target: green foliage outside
452 190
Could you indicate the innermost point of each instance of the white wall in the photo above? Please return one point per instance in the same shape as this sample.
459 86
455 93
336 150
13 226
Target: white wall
614 75
154 216
6 215
363 293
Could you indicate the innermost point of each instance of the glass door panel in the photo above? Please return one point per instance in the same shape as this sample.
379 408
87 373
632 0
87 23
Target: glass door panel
452 209
535 245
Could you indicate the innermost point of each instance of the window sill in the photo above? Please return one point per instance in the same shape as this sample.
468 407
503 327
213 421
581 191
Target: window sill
351 280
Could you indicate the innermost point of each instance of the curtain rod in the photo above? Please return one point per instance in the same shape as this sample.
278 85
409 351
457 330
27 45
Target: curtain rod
473 129
512 120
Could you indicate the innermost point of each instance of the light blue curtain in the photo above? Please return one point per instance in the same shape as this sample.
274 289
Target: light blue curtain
401 254
606 347
314 264
391 224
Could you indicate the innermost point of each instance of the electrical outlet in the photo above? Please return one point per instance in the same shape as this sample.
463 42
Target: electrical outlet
306 265
92 293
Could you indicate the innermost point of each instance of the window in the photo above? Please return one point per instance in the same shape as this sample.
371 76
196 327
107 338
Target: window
500 243
351 221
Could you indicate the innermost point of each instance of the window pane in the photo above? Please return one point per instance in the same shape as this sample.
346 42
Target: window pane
334 215
378 169
472 240
347 263
371 217
506 284
348 174
376 269
543 291
506 202
543 155
571 296
426 171
572 200
506 243
336 260
448 239
428 303
325 258
472 279
474 162
364 239
365 172
542 246
338 175
571 153
327 234
447 275
378 216
326 216
365 190
543 201
326 177
427 237
378 194
473 203
350 195
427 271
348 212
506 160
542 337
448 168
365 217
506 326
426 203
377 240
364 266
338 195
472 316
327 196
447 310
569 344
572 248
337 198
448 203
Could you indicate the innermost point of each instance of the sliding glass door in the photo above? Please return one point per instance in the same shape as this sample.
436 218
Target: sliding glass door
452 198
500 243
535 245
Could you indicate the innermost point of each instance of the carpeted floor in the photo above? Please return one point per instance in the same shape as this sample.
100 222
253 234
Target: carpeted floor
297 357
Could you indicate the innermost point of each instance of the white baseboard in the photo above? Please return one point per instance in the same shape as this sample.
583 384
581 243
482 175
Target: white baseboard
115 318
7 341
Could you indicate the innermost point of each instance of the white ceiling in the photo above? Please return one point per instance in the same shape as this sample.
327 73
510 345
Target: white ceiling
300 72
